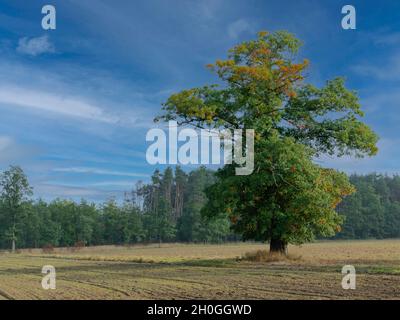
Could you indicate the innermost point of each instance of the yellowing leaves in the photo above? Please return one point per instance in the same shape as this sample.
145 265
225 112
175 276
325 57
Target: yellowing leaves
262 34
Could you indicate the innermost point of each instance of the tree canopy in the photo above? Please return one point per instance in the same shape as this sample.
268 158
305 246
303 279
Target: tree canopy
288 198
15 190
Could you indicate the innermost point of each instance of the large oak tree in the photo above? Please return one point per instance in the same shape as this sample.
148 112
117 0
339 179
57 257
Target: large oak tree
288 198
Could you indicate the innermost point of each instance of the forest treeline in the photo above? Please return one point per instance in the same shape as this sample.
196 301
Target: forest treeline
168 208
373 211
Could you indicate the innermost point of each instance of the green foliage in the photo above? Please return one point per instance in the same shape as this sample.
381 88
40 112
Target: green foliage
287 198
374 210
15 190
166 209
192 226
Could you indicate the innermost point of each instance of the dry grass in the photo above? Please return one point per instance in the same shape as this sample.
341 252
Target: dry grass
167 253
266 256
357 252
325 252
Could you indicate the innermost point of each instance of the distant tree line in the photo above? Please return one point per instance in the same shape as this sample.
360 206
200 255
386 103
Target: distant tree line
168 208
374 210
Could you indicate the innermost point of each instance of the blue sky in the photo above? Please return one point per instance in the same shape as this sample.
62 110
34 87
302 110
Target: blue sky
76 102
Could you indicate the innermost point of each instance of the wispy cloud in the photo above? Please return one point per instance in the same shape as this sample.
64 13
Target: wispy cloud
208 8
76 92
388 101
35 46
99 171
388 71
68 106
4 143
12 152
391 38
385 162
51 190
127 184
237 28
101 184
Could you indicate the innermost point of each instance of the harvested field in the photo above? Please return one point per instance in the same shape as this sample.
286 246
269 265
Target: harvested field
177 271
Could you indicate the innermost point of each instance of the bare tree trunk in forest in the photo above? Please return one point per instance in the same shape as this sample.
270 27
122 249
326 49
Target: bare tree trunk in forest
174 204
178 201
180 212
13 245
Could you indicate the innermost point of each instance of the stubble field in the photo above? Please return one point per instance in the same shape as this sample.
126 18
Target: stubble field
178 271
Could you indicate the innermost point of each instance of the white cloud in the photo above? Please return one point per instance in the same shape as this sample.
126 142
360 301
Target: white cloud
238 27
128 184
383 102
384 162
99 171
12 152
50 190
5 142
69 106
208 8
386 38
35 46
388 71
76 91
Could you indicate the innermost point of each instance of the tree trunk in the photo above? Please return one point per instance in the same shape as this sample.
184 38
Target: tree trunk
278 246
13 246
